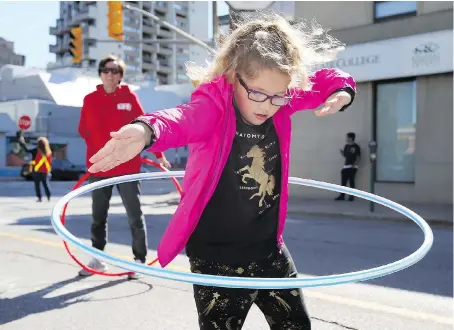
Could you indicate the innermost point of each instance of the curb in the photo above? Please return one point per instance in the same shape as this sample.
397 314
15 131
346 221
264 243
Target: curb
11 179
365 216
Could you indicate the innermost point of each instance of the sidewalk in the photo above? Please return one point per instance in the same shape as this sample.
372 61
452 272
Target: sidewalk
359 209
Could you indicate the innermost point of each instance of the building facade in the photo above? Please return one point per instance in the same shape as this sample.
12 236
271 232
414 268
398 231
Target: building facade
400 54
7 54
163 62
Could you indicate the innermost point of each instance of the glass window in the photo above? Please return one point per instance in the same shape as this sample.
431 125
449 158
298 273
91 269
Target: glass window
396 131
17 156
130 38
132 68
385 9
131 20
131 48
61 163
130 28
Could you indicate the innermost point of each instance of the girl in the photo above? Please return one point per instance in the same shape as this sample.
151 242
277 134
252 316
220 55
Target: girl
232 214
41 165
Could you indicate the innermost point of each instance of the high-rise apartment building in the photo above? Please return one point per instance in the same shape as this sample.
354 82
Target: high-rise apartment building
7 54
162 62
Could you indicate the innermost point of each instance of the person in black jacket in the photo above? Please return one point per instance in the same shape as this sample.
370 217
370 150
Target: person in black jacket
352 155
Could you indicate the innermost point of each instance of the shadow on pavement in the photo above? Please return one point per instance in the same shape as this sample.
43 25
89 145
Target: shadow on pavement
118 228
322 247
36 302
331 246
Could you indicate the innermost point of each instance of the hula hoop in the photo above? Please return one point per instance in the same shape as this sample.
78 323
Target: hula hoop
63 218
243 282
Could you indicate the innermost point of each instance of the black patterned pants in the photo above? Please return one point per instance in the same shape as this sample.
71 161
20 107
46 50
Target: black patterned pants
227 308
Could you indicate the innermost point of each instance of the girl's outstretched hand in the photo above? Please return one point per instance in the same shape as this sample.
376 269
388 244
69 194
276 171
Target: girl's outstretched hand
334 103
124 145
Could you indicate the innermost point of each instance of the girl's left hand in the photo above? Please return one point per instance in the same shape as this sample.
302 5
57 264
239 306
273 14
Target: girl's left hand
334 103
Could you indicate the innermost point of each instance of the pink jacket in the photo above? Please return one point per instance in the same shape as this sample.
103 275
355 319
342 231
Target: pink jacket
207 125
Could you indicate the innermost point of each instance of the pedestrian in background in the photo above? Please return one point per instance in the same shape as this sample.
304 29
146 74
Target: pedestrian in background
352 155
40 166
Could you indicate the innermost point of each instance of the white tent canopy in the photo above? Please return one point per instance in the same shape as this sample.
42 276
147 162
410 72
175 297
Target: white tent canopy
68 87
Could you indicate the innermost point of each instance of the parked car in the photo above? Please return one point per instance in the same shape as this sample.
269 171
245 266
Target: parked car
62 170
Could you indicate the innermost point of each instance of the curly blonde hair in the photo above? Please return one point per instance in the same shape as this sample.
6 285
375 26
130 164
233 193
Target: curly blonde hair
269 42
44 146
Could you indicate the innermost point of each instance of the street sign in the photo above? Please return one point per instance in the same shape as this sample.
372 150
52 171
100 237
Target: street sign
25 122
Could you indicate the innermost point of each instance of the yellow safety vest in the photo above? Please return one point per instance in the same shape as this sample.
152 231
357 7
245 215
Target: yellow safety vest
42 161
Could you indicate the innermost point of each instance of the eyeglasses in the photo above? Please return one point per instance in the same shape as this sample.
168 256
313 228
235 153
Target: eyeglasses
257 96
112 70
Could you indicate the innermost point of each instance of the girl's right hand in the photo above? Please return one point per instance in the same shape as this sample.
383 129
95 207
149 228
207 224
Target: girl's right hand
124 145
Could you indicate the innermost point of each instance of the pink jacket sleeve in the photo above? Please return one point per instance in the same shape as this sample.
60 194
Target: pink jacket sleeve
324 83
188 123
137 110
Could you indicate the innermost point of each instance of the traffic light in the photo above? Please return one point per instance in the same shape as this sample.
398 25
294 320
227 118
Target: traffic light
76 44
115 20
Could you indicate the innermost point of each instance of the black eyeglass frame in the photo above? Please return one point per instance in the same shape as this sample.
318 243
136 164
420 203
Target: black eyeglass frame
286 99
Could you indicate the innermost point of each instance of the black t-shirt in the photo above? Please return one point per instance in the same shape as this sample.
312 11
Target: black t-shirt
240 221
351 153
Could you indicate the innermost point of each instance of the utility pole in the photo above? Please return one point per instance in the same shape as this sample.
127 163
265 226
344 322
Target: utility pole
215 19
372 175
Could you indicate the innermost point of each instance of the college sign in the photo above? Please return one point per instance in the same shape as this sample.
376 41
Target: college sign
416 55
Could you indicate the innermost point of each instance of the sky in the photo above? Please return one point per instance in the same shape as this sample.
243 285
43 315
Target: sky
223 8
27 23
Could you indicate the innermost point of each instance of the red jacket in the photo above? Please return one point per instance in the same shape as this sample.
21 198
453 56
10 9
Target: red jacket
103 113
42 163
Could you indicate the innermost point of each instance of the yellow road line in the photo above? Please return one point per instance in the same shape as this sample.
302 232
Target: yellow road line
381 308
60 245
376 307
32 239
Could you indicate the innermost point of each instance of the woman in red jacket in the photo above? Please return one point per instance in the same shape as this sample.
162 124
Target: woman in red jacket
106 110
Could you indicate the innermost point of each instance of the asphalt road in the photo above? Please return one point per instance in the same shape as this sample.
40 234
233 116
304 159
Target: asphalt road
39 288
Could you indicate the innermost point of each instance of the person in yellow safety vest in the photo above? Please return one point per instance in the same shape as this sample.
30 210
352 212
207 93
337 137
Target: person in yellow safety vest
41 166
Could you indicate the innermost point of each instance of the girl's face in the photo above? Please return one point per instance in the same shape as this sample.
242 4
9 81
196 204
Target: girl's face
261 97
